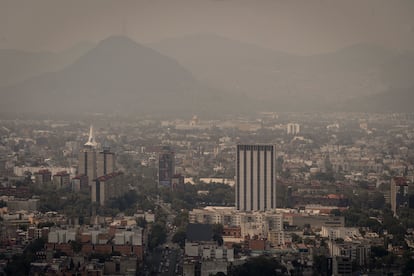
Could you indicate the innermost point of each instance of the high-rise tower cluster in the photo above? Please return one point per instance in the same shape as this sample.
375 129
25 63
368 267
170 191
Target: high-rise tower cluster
97 165
94 163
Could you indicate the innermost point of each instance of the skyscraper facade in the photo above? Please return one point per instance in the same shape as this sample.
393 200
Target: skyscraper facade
105 162
255 177
87 163
108 186
166 166
399 193
87 158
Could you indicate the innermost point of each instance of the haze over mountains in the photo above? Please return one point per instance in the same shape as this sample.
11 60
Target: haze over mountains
290 82
118 75
17 65
204 73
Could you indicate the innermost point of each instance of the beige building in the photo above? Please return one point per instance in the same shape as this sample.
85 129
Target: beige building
29 205
105 162
43 177
255 177
108 186
87 158
61 180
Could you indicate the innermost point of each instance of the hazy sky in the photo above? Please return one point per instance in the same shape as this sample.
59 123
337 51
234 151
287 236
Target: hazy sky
305 27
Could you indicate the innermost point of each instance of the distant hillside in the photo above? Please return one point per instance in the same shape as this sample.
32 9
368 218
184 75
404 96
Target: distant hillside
398 72
238 68
397 75
285 81
398 100
118 75
17 66
206 74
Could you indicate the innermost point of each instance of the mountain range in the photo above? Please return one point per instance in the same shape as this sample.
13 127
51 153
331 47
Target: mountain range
118 75
204 73
18 65
290 82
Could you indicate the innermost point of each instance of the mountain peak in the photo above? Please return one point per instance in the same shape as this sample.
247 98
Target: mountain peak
118 39
119 43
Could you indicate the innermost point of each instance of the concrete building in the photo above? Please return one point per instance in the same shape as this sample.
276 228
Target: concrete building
105 162
398 193
22 170
202 254
87 158
248 223
43 177
340 233
316 221
108 186
342 266
166 166
80 183
177 182
255 177
61 180
29 205
292 129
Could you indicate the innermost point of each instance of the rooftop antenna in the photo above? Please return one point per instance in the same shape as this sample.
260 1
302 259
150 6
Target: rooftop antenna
91 140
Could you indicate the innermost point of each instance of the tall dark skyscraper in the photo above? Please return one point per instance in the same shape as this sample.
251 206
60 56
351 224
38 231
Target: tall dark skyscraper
255 177
166 166
399 193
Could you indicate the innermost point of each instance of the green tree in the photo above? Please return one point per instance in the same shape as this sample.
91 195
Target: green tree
319 265
76 246
181 220
336 212
377 200
141 222
296 238
158 235
259 266
179 238
218 233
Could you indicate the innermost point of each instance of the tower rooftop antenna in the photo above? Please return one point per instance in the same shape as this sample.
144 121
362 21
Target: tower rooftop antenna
91 140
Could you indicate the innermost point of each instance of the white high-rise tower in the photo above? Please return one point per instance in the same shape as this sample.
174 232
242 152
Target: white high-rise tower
255 177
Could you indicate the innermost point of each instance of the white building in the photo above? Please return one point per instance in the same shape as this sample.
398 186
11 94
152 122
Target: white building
292 128
257 223
340 233
255 177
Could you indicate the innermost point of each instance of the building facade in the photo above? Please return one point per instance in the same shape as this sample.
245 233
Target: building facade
292 128
398 193
43 177
80 183
166 167
87 163
105 162
255 177
108 186
61 180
